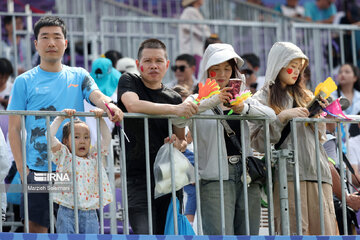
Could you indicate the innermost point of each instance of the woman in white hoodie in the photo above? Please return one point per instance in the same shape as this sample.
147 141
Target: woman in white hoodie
283 93
220 62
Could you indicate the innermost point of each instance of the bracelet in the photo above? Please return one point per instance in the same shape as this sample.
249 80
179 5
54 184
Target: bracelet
112 102
247 112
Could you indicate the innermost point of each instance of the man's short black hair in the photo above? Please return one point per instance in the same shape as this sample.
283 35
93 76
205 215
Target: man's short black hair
214 38
8 19
114 56
252 59
187 58
6 68
151 43
49 21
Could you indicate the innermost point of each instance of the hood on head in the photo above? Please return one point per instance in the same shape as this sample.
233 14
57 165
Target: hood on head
217 53
280 55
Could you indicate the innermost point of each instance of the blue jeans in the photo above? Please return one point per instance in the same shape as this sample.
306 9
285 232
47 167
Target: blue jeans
88 221
190 207
233 204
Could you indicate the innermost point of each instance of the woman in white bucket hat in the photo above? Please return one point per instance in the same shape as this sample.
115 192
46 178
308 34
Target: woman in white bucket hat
221 62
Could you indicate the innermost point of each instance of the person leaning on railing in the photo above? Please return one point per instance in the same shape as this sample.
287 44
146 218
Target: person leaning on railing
221 63
146 94
50 86
283 93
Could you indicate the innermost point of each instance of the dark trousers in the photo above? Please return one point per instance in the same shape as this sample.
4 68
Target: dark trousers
138 207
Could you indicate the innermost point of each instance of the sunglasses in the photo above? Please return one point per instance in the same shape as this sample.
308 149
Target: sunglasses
181 68
247 72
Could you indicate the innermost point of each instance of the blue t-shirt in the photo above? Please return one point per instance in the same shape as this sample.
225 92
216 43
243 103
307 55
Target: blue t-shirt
316 14
38 90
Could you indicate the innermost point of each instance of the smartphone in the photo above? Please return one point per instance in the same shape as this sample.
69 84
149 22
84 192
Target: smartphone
235 83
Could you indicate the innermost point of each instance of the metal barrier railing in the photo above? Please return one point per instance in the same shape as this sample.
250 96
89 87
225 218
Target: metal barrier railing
245 37
280 163
294 158
48 114
198 200
212 9
94 9
76 32
326 45
319 40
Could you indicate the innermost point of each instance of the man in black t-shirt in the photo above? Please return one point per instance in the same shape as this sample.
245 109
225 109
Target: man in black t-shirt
146 94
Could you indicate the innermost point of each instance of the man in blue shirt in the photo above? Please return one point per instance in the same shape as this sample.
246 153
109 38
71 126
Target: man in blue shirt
51 86
321 11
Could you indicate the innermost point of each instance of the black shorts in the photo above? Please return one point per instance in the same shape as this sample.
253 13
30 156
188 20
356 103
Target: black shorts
38 204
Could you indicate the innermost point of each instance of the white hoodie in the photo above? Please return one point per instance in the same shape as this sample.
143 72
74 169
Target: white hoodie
280 55
217 53
207 129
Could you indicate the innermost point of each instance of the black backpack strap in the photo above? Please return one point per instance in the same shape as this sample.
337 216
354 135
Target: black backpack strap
348 164
231 134
284 133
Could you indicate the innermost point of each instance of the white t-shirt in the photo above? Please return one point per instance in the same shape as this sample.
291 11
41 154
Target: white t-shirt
292 12
192 36
91 121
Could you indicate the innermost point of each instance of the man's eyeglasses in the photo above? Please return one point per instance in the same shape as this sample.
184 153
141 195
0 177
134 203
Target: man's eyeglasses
181 68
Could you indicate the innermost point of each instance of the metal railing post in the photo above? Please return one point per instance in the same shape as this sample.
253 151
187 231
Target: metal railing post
296 178
282 157
51 206
124 182
244 178
99 174
269 180
220 131
197 179
25 183
173 187
148 174
342 171
319 181
73 153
